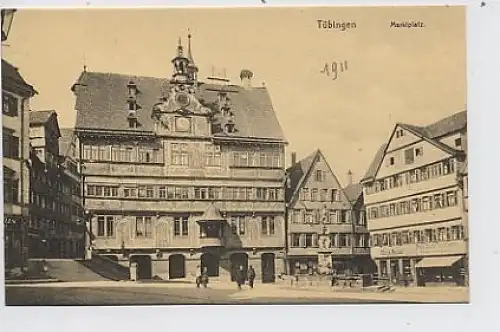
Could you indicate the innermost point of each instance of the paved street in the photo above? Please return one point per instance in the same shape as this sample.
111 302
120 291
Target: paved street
125 293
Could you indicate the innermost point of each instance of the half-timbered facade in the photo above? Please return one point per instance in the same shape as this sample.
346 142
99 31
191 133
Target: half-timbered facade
179 174
414 203
324 230
55 230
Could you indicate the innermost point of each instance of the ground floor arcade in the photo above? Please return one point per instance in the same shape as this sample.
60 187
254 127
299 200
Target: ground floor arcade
219 263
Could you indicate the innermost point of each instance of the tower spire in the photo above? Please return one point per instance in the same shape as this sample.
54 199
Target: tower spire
180 50
192 69
190 55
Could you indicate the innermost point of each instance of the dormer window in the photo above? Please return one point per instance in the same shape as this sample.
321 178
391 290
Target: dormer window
132 89
132 119
458 142
131 105
229 127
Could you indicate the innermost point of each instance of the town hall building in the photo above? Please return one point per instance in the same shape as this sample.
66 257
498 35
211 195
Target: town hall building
181 175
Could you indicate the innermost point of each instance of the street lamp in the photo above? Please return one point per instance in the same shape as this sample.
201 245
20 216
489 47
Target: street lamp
7 17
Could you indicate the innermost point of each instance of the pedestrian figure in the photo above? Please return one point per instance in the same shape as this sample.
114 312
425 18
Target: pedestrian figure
239 276
334 278
204 277
250 276
198 276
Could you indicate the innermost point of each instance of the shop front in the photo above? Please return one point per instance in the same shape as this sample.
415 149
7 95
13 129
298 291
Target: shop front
303 265
13 242
441 270
422 264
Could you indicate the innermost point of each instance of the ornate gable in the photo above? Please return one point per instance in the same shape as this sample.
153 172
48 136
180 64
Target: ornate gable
180 101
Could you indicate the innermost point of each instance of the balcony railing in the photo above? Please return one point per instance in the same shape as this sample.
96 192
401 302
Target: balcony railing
210 242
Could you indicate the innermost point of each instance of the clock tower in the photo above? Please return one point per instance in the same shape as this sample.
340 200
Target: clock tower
179 109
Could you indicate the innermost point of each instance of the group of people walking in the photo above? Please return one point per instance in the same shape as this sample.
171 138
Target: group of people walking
239 276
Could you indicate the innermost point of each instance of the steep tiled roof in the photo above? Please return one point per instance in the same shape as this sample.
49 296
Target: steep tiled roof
10 75
297 172
101 104
353 191
447 125
423 133
67 137
40 117
377 159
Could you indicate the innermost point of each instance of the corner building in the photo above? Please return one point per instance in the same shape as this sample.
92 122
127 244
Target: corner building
181 174
16 97
414 203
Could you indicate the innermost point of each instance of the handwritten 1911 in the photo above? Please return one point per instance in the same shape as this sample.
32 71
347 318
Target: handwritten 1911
334 68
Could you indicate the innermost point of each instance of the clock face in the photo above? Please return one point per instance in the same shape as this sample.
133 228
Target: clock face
182 99
182 124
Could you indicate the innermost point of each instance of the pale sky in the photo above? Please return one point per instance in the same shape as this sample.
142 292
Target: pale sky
411 75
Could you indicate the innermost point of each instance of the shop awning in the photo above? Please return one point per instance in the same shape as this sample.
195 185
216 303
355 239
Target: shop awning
444 261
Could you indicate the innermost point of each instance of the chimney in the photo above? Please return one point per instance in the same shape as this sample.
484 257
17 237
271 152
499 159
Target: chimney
246 78
349 177
294 158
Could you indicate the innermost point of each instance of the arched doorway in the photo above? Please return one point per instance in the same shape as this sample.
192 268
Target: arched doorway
268 267
176 266
211 262
144 270
237 260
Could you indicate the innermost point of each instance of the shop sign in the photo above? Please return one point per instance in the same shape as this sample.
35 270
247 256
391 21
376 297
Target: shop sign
391 251
12 223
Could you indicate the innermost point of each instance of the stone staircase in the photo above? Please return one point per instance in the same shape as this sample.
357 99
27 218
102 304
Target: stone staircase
96 269
64 270
107 268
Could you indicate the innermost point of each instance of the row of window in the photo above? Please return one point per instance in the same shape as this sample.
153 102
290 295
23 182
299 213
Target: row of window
420 174
311 240
415 205
267 159
327 216
53 227
320 195
144 226
49 202
438 234
123 153
180 155
42 182
185 192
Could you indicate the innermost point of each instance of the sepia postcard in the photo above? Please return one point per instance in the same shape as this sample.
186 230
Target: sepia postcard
251 155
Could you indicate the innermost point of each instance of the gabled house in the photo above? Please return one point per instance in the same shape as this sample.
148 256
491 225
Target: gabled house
323 231
411 196
54 231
